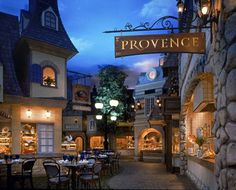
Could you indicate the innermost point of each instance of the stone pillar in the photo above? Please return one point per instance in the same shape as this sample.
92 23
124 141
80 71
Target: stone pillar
225 117
16 129
183 158
136 148
58 130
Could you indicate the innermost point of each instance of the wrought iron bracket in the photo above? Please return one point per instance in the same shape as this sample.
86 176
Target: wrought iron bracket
164 23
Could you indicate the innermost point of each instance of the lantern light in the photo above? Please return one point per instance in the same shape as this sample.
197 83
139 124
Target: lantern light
113 118
98 105
29 113
98 117
180 6
114 103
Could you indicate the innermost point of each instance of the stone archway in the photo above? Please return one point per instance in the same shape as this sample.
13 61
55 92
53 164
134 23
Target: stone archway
151 143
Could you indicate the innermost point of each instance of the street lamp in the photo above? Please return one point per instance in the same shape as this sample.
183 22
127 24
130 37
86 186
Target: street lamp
99 106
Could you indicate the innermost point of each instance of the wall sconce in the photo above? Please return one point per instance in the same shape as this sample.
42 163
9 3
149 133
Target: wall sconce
29 113
138 104
48 114
205 11
180 6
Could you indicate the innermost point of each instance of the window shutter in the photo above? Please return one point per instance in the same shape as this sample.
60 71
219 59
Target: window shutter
36 73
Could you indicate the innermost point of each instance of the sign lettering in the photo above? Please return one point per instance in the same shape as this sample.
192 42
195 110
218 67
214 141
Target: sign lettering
176 43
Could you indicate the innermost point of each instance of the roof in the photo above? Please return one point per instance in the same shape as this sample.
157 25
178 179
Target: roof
36 31
9 35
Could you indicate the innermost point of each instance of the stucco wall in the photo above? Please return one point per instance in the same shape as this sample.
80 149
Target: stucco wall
36 89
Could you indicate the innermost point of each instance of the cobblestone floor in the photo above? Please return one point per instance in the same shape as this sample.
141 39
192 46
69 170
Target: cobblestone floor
132 175
141 175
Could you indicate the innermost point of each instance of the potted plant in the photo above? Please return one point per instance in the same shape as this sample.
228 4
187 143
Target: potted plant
200 141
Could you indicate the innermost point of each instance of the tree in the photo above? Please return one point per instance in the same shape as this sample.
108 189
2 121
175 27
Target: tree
111 86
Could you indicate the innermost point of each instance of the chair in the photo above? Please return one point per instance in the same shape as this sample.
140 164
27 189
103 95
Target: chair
115 162
26 172
54 176
90 179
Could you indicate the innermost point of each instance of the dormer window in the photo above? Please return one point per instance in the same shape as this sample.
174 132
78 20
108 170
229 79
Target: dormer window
50 20
49 77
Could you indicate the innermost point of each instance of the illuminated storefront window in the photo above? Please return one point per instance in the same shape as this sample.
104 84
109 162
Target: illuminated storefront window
96 142
126 142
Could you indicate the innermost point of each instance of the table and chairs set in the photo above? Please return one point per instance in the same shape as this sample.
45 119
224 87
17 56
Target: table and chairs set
21 175
82 171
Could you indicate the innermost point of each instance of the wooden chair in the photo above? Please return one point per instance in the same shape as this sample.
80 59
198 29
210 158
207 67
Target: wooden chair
54 176
91 179
26 172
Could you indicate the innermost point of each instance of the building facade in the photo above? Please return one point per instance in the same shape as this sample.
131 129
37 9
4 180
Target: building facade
208 95
148 138
34 58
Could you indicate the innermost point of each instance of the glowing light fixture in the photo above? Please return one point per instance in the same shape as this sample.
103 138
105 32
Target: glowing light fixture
114 103
98 105
29 113
98 117
180 6
113 118
48 114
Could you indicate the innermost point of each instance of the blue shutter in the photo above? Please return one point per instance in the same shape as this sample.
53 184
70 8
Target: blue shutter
36 73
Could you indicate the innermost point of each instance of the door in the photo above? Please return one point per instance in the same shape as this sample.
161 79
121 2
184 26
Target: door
45 138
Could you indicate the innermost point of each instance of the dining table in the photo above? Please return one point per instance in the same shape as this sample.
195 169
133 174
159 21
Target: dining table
73 166
8 163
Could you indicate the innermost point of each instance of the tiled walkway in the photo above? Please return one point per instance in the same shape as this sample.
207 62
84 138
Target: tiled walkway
141 175
132 175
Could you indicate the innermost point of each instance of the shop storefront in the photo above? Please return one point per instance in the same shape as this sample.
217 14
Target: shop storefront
35 129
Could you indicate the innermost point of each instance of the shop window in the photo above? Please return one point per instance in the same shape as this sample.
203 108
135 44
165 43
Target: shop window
126 142
200 141
49 77
149 104
50 20
96 142
28 139
45 138
152 141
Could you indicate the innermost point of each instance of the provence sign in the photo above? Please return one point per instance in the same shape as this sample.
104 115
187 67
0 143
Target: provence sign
144 44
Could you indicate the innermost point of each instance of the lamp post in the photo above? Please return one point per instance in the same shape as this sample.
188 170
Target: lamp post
100 106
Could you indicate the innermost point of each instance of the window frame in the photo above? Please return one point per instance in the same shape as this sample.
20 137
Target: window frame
149 103
55 72
49 18
40 139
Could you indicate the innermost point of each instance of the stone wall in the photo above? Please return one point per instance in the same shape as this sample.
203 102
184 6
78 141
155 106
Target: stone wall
224 59
221 63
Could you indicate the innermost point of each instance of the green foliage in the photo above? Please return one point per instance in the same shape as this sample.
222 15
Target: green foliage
111 86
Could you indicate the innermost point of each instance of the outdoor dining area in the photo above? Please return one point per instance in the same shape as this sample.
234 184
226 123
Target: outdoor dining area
84 170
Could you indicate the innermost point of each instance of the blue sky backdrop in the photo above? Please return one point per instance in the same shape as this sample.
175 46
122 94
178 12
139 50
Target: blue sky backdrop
85 21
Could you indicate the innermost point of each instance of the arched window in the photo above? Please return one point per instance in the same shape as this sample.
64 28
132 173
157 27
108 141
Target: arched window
50 20
49 76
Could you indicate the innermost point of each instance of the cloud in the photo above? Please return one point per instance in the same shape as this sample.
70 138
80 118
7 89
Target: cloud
157 8
145 65
81 44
